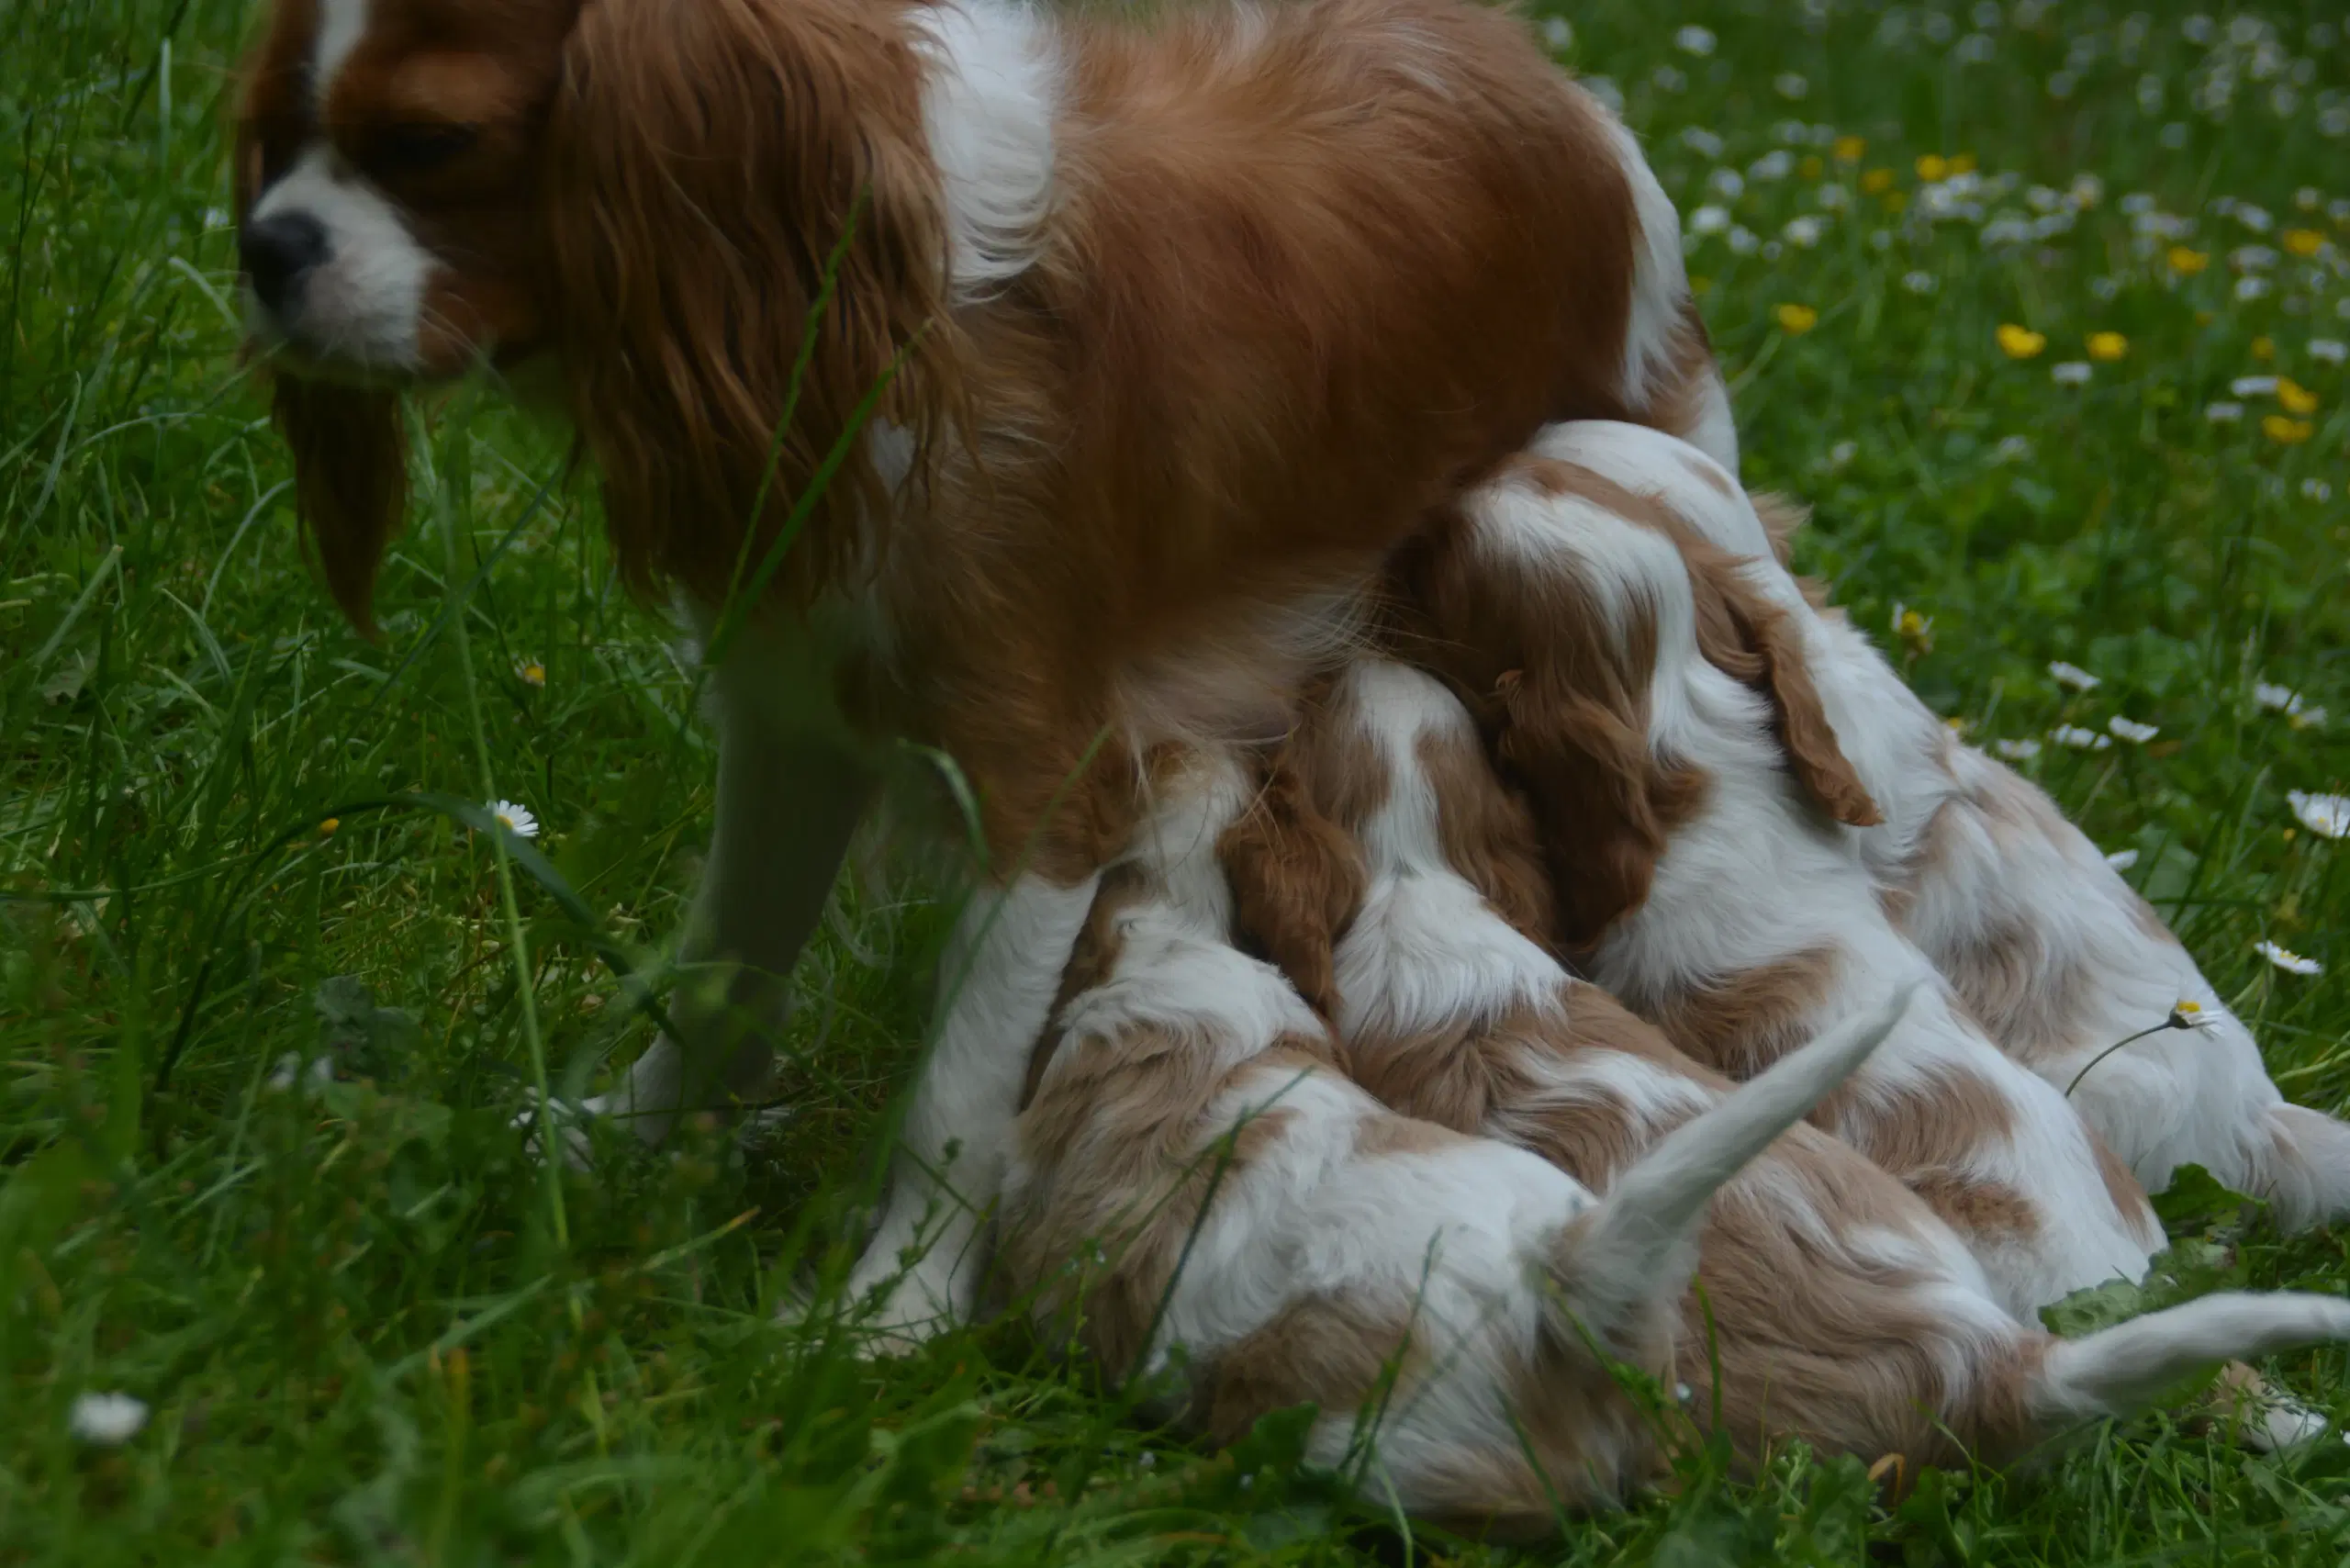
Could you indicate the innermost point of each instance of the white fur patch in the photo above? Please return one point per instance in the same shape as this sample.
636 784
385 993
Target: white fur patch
998 980
1660 278
361 305
341 23
988 110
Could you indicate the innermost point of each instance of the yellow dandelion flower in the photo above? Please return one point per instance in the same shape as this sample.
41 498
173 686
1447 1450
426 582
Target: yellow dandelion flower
2285 432
1876 181
2264 349
2108 346
1811 168
1850 148
2294 398
1797 319
2186 263
1895 201
327 826
2303 241
1963 163
2020 343
1934 166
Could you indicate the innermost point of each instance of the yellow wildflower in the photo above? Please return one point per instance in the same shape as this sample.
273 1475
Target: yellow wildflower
2285 432
1797 318
532 674
1876 181
2303 241
1895 201
1963 163
1934 166
1850 148
2108 346
2294 398
2264 349
2186 263
1811 168
1915 631
328 826
2020 343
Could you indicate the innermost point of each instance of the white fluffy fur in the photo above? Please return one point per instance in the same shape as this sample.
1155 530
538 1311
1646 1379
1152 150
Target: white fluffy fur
987 109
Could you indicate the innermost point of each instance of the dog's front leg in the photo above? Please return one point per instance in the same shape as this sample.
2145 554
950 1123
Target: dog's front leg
791 786
997 981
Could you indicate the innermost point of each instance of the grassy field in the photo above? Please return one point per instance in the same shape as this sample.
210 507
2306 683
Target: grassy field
1989 282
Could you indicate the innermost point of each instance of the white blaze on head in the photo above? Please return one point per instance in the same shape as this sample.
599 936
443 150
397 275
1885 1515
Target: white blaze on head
341 23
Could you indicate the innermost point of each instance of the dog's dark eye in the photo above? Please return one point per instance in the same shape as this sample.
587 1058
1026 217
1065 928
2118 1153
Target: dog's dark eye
419 149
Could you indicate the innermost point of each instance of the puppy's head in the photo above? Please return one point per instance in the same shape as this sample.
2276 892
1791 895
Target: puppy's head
657 193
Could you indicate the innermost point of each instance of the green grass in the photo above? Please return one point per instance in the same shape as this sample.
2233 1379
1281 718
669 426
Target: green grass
370 1329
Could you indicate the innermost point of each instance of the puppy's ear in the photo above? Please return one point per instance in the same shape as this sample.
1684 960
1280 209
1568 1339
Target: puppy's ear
1782 517
1297 881
1746 636
350 482
1605 805
747 245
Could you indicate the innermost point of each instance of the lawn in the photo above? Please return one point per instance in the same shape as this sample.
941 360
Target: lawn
2043 309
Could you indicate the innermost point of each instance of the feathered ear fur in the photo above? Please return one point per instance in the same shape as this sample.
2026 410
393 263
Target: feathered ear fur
1782 519
1297 883
1606 805
709 163
350 482
1745 636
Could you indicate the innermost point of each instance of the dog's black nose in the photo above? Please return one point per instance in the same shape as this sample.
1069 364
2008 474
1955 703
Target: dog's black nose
277 251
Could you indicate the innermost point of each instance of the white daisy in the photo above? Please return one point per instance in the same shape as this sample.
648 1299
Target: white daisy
2011 449
1701 141
2308 718
2224 413
1559 33
2285 958
2254 386
515 819
2331 351
2017 751
2188 1013
109 1420
2328 816
2131 731
1693 40
2080 739
1708 219
2070 373
1918 282
2072 676
2276 699
1803 232
2123 860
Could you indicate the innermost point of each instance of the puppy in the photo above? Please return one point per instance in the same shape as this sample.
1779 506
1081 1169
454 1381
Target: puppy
1200 1196
1030 386
2044 944
1660 712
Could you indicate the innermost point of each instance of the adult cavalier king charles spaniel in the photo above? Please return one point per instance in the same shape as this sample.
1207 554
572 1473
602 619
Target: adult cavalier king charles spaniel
1107 354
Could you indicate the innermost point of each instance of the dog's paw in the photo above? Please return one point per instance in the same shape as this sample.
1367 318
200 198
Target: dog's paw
568 1122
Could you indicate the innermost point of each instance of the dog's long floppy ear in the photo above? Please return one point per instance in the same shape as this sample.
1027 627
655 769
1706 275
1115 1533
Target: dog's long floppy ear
1743 634
1297 881
720 175
350 482
1604 803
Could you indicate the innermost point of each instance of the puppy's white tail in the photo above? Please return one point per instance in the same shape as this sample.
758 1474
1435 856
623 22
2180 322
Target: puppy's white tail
1639 1248
2124 1370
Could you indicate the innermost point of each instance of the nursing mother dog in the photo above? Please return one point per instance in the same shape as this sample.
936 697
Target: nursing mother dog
1111 352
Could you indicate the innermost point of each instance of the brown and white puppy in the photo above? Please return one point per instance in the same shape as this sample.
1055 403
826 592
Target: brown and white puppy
1037 376
2045 943
1388 867
1200 1196
1661 708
